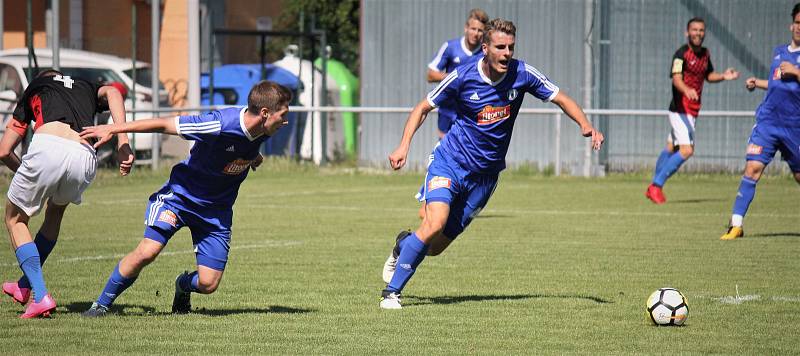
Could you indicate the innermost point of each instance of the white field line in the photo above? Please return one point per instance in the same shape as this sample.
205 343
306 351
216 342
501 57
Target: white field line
263 244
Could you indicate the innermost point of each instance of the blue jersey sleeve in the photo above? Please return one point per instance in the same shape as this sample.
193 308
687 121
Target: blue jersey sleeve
206 127
446 90
439 62
538 85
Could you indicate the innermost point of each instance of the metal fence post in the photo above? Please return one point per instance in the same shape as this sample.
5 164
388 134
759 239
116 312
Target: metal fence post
558 145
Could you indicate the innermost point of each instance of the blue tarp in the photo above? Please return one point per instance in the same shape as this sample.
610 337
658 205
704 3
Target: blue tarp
232 83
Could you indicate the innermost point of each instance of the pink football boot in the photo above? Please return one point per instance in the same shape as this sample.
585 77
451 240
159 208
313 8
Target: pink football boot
20 295
42 308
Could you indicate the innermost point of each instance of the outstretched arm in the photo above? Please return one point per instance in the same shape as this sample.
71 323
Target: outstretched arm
571 108
728 74
397 159
103 132
752 83
116 104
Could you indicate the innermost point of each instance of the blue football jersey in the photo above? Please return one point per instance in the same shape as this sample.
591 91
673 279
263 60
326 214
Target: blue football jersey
452 54
486 111
781 105
219 160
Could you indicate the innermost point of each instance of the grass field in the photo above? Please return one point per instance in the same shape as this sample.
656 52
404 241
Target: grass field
553 265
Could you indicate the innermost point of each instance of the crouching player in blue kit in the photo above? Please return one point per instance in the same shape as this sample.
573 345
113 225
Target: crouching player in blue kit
200 191
465 167
777 124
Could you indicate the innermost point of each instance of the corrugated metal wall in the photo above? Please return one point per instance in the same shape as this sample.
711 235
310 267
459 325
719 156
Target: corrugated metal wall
632 45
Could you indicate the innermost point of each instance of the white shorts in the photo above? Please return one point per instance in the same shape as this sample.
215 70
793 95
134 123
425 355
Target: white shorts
682 128
54 168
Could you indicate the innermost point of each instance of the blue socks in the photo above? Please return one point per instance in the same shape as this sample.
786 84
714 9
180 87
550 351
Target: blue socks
28 258
668 168
188 282
661 159
44 246
412 252
747 190
116 284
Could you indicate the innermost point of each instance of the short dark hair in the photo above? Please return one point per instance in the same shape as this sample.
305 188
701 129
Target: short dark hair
795 10
695 19
48 73
479 15
498 25
267 94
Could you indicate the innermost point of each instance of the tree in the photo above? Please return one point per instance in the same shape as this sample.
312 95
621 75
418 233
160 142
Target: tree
340 20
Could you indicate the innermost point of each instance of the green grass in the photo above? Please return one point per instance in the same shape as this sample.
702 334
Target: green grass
553 265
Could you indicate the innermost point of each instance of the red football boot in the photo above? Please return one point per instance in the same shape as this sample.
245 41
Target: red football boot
655 194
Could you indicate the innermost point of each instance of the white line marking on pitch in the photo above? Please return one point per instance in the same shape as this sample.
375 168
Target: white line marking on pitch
266 244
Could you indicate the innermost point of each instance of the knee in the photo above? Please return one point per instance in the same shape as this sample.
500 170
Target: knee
142 257
686 151
207 285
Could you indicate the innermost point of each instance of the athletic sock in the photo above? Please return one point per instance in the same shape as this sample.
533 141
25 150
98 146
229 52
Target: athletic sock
116 284
660 162
411 255
188 282
747 190
44 246
670 166
28 258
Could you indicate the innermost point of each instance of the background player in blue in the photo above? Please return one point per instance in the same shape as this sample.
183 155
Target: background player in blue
453 53
777 125
464 171
200 191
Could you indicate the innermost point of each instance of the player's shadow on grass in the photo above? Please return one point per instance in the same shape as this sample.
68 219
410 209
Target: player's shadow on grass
695 201
274 309
417 300
140 310
116 309
775 234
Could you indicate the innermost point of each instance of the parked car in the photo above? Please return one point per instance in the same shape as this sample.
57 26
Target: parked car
90 66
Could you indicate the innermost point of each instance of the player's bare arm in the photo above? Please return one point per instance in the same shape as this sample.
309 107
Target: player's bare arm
574 111
8 143
677 81
728 74
103 132
752 83
397 159
435 76
116 104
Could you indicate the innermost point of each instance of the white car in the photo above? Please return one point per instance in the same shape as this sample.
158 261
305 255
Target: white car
90 66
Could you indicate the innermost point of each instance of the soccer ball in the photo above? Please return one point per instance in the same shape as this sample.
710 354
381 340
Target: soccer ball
667 306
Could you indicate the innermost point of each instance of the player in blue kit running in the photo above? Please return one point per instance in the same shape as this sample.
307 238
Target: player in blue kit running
200 191
465 167
777 124
454 53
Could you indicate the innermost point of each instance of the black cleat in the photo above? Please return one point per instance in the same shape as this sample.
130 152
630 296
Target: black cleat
95 311
181 304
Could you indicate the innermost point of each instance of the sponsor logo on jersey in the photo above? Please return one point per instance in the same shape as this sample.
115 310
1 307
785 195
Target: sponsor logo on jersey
438 182
491 114
474 97
753 149
512 94
168 217
776 74
237 167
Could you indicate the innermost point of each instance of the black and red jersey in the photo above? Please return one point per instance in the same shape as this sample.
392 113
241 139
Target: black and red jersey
695 65
72 101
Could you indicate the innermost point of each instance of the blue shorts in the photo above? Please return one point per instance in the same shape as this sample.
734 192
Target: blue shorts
767 139
466 192
167 213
